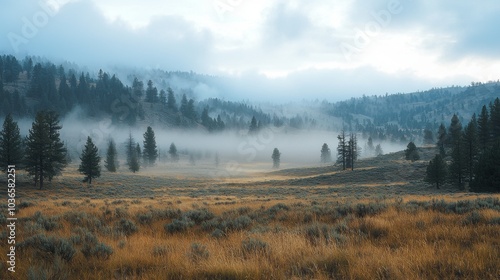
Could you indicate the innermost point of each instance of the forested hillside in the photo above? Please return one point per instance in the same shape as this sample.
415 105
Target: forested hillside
167 99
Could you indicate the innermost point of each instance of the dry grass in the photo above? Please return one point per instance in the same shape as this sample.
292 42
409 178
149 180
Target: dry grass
368 224
396 242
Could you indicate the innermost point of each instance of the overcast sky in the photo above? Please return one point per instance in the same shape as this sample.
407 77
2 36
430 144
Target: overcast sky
310 48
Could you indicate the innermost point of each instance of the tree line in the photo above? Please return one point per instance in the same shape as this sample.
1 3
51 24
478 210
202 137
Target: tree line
469 155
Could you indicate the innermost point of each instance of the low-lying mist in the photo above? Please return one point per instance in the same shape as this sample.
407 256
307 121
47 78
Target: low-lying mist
236 149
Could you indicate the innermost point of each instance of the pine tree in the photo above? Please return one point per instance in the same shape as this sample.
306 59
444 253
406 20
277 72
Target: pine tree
151 93
45 153
276 156
352 151
483 127
411 152
487 173
11 150
378 150
137 88
436 171
370 149
442 138
174 157
132 155
90 165
163 97
171 103
428 137
253 126
184 106
471 149
150 152
57 160
457 166
111 161
342 150
455 131
326 155
495 120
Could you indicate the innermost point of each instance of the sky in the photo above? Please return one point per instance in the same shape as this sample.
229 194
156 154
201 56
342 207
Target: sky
285 49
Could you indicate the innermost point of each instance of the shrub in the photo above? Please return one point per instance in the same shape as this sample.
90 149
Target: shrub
126 227
179 225
473 218
160 251
99 250
199 216
253 245
317 232
217 233
49 245
144 218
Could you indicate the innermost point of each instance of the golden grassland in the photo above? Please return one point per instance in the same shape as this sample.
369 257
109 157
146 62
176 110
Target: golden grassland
394 243
149 226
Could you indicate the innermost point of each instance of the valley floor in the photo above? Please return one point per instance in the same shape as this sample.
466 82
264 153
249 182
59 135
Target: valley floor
379 221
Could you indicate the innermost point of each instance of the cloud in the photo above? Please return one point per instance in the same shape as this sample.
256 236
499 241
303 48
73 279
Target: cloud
80 32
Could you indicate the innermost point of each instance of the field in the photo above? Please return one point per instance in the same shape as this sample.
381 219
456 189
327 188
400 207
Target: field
379 221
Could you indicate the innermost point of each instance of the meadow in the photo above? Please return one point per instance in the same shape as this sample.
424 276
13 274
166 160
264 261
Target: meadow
379 221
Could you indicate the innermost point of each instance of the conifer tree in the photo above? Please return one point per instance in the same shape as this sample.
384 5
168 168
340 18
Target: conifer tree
457 166
471 149
150 152
45 153
276 156
342 150
253 126
171 103
378 150
411 152
174 157
11 150
487 171
111 161
326 155
483 127
132 155
436 171
442 138
90 165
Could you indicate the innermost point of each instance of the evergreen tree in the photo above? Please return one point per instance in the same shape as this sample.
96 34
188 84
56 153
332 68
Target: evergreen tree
378 150
132 155
455 131
184 106
45 153
436 171
442 139
150 152
352 151
326 155
276 156
171 103
174 157
487 171
11 148
342 150
471 149
495 120
90 165
457 167
137 88
111 161
57 156
483 126
370 149
191 112
411 152
206 121
163 97
151 93
253 126
428 137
